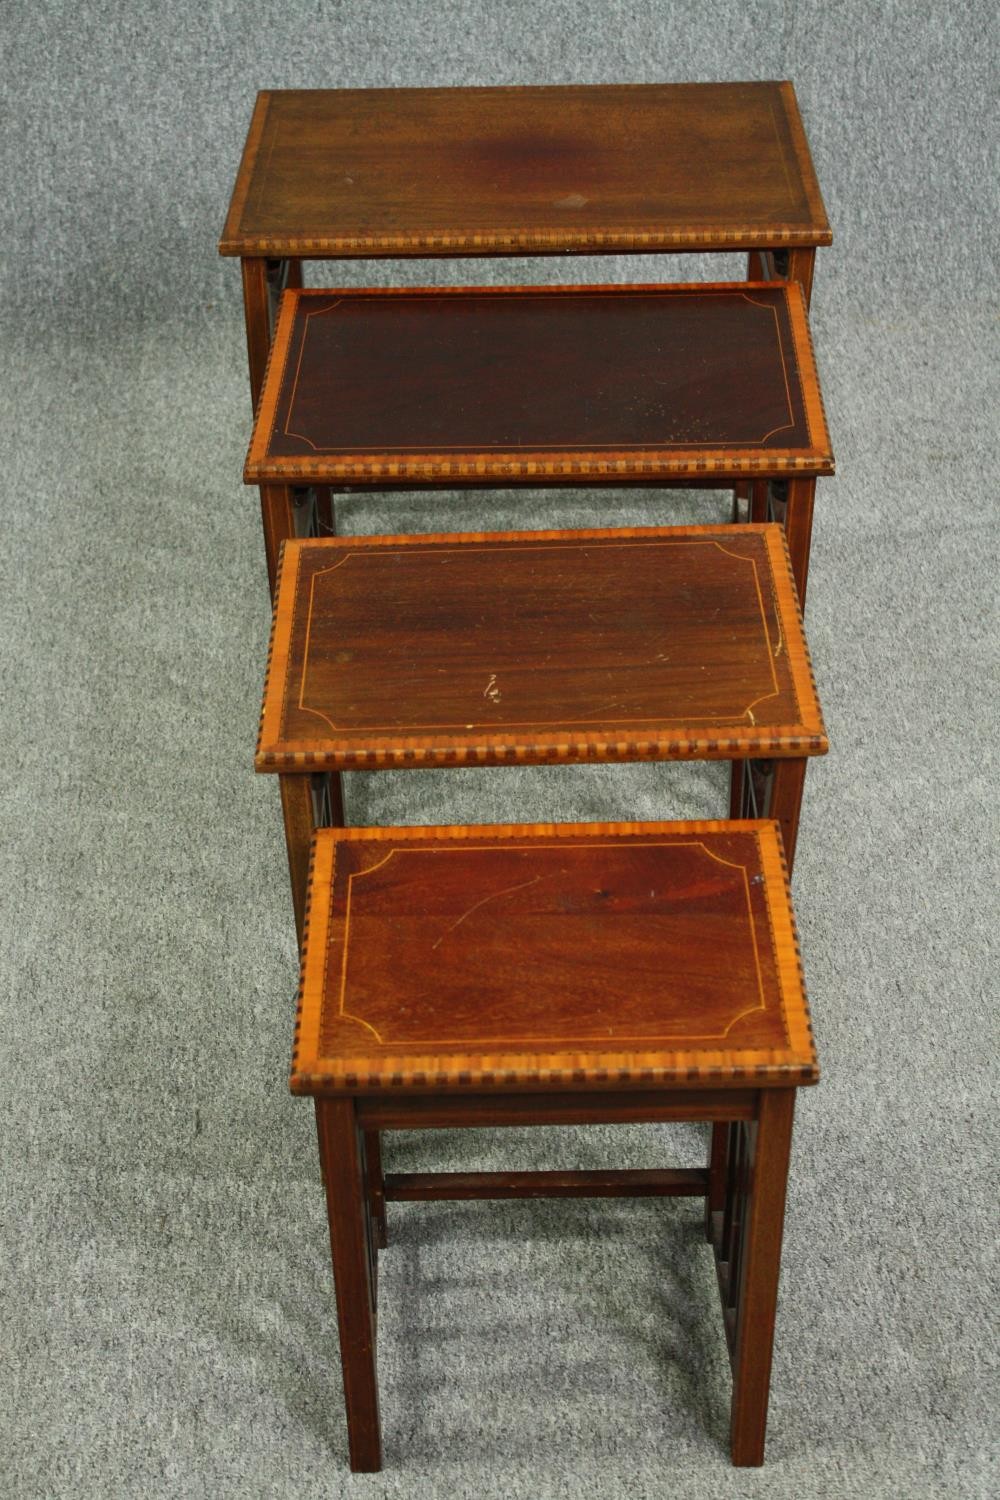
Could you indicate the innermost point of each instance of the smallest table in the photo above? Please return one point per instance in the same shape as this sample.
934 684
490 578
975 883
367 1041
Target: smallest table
556 974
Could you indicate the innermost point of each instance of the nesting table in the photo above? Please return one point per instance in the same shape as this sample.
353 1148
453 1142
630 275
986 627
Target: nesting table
335 174
552 972
556 975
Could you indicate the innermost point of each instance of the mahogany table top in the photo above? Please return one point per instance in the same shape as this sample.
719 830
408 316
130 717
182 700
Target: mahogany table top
659 643
511 384
550 956
487 171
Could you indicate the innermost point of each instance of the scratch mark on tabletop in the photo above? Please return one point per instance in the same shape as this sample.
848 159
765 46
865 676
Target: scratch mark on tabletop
496 895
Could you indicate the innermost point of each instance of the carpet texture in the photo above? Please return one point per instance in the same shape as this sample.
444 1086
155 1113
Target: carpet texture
167 1307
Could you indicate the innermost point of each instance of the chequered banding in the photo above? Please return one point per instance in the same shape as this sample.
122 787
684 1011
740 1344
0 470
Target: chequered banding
303 950
523 240
806 1012
807 172
405 753
803 644
270 642
508 466
776 1074
817 385
277 353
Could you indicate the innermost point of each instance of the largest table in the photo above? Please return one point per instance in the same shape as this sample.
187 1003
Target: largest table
330 174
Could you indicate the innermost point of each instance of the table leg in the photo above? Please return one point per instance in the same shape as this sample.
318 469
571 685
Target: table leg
784 802
307 802
257 316
280 274
760 1266
757 268
347 1212
801 263
772 789
794 265
277 513
715 1198
800 495
263 281
297 811
326 512
376 1186
736 793
759 501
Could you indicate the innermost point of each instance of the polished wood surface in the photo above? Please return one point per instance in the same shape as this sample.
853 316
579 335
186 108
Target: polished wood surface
550 955
666 643
528 384
486 171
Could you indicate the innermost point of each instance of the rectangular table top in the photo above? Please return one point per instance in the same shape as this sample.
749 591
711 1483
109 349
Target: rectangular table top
525 384
550 956
659 643
485 171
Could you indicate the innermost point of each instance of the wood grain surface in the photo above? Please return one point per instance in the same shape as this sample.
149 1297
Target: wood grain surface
666 643
467 171
530 383
550 955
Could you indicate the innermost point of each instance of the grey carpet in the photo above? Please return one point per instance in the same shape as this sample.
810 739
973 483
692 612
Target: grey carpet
168 1325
